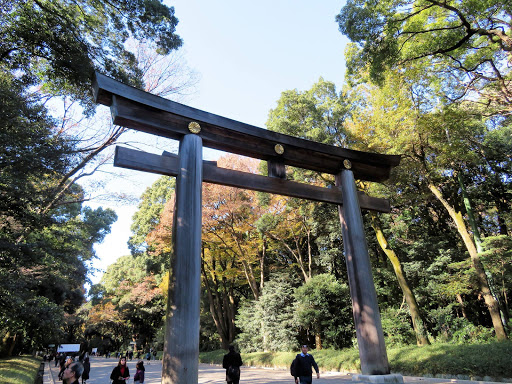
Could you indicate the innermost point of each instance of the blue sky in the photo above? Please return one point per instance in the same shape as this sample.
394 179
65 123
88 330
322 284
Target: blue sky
249 52
246 54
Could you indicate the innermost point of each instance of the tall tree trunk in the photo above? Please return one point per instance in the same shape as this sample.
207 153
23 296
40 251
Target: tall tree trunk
490 302
221 309
417 320
505 303
310 256
11 347
478 241
263 255
318 340
470 213
461 303
249 275
5 343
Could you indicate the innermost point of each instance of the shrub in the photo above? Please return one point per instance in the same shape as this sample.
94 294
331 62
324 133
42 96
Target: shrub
396 325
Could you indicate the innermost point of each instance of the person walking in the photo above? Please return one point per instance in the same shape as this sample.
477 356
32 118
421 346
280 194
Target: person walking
120 374
87 370
72 373
302 367
138 378
232 362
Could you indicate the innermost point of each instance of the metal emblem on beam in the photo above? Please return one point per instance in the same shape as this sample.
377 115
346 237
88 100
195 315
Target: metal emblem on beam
194 127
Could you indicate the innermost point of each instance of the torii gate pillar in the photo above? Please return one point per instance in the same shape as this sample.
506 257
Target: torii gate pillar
181 347
370 337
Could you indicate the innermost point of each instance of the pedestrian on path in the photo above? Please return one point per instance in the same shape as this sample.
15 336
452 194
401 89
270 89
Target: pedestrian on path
72 373
87 370
120 374
232 362
138 378
301 367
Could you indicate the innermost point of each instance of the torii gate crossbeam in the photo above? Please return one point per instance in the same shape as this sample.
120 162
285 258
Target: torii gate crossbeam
194 128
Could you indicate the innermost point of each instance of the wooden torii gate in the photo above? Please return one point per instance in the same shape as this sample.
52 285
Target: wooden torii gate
136 109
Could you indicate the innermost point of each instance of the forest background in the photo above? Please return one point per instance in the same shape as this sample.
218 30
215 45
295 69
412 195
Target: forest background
427 80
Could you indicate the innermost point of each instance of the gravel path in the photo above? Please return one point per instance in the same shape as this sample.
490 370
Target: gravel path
214 374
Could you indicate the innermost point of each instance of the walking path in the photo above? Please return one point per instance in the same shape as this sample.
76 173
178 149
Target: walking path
214 374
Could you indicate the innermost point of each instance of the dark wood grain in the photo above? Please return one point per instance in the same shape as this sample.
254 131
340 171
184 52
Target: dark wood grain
140 110
168 165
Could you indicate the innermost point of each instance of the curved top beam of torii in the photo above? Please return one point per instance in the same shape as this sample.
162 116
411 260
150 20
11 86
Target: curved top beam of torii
143 111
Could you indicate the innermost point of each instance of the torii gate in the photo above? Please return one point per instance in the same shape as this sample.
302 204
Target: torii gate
136 109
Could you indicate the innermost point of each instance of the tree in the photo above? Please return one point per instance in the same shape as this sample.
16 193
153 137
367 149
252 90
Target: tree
465 43
289 226
44 253
28 143
276 313
316 114
166 76
51 49
231 242
309 231
323 307
268 323
231 247
422 138
131 41
150 211
497 259
59 44
106 321
135 296
321 114
416 317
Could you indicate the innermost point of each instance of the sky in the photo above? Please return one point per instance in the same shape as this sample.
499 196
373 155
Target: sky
246 54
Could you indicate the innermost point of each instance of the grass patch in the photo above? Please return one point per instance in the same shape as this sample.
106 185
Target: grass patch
473 361
346 360
470 362
19 370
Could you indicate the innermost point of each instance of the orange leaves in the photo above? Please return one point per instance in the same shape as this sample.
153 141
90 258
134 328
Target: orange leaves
145 291
104 312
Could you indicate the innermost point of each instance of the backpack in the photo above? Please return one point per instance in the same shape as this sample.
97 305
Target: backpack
233 373
293 368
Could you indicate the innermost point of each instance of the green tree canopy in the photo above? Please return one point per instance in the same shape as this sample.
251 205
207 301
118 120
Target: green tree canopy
466 43
323 307
58 44
150 210
44 253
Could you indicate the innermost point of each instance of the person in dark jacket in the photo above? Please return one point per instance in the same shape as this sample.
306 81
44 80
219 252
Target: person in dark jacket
232 362
303 367
139 374
87 370
120 374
